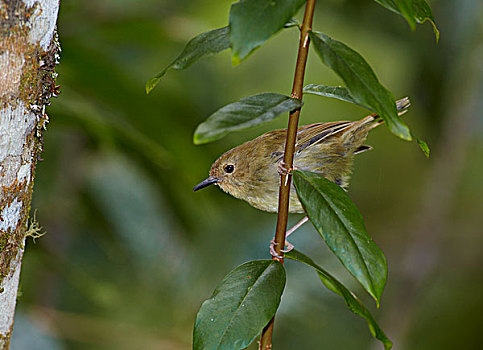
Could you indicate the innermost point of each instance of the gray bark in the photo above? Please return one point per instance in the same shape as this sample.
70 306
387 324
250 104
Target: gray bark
28 55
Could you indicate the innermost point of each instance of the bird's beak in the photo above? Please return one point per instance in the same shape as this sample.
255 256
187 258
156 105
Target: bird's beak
209 181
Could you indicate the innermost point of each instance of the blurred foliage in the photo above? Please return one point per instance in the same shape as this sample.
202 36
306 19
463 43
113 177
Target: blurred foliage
130 252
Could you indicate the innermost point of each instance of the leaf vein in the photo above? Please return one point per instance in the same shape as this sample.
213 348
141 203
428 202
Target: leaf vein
241 302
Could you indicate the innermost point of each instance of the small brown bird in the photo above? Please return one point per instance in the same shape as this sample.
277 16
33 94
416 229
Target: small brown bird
250 171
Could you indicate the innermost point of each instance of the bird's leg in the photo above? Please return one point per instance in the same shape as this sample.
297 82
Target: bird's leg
289 245
297 226
283 168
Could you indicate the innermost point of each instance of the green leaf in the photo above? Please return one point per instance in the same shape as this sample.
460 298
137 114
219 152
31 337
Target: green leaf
352 302
423 145
340 224
360 80
341 93
420 12
241 305
204 44
338 92
244 114
423 13
406 8
252 22
389 4
402 7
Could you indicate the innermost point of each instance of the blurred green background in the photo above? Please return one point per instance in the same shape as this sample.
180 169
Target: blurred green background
131 252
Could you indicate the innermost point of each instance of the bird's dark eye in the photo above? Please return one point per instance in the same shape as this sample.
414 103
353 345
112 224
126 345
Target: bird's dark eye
229 168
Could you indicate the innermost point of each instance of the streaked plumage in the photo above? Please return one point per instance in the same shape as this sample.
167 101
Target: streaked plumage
250 171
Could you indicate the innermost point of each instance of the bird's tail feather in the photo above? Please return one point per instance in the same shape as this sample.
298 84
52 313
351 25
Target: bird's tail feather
402 107
372 121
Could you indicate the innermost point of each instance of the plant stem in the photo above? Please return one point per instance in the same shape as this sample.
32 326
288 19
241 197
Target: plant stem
286 180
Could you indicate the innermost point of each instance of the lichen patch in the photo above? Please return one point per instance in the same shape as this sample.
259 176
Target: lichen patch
10 216
42 22
15 126
24 172
8 286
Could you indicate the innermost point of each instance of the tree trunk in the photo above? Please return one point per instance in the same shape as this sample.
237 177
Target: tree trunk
28 55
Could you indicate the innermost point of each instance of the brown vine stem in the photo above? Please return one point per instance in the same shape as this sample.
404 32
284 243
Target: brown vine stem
286 180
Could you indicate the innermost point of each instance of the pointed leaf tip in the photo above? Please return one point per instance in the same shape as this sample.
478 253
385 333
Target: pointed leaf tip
351 300
235 60
360 80
413 11
423 146
151 83
340 224
244 114
204 44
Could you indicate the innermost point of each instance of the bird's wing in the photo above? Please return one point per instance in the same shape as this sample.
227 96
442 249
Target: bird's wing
312 134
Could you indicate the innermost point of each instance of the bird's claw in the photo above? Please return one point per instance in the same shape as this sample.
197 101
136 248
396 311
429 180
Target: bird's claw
284 169
274 253
289 247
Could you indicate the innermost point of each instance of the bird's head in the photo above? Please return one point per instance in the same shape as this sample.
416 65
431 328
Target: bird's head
230 172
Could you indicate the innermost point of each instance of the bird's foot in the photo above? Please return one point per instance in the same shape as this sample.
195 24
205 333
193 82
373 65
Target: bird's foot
289 246
284 169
